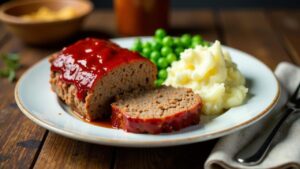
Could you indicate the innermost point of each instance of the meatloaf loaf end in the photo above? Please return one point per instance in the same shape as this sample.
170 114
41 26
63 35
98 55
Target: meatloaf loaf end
93 100
164 109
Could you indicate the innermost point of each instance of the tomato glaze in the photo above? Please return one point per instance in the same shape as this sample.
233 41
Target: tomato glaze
87 60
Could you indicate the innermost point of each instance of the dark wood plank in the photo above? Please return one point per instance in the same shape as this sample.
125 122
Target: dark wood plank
4 35
194 22
60 152
188 156
287 25
252 32
20 139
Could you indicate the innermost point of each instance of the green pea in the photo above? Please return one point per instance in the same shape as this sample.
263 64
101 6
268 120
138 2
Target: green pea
146 45
134 48
158 40
146 52
163 74
197 39
166 50
176 41
178 50
155 55
153 61
138 41
167 41
158 82
205 43
160 33
186 40
156 45
195 43
171 57
162 63
137 45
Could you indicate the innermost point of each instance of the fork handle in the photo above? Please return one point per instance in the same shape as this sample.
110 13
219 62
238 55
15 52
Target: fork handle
254 152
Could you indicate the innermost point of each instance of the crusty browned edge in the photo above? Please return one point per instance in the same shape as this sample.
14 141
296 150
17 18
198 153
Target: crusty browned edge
170 123
68 92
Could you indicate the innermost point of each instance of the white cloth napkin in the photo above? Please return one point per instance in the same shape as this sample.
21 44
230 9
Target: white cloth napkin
284 154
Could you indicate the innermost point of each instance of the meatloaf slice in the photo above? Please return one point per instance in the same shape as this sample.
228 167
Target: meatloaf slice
155 111
114 70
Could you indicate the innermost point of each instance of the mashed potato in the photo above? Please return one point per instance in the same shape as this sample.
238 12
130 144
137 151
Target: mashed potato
46 14
210 72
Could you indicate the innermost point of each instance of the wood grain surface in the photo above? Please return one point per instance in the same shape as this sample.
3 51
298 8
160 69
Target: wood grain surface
271 36
180 156
287 27
252 32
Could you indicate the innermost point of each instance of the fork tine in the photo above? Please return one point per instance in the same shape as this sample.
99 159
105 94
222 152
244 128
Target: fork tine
295 94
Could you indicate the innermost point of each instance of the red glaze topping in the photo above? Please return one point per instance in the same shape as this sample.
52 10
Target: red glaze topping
88 60
167 124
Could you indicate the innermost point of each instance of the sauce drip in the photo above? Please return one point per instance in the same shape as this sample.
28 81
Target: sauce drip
104 123
87 60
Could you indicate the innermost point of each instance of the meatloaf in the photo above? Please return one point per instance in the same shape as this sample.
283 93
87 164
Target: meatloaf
88 74
155 111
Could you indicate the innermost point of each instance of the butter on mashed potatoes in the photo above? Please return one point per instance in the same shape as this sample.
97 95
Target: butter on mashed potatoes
209 72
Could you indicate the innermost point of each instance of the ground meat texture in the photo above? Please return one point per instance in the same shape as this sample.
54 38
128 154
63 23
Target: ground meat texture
96 104
164 109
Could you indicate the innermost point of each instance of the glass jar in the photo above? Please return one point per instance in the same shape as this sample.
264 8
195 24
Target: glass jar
141 17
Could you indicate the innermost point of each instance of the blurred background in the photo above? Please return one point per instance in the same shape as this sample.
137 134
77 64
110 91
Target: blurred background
59 20
183 4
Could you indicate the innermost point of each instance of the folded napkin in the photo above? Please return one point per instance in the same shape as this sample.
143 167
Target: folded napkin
285 153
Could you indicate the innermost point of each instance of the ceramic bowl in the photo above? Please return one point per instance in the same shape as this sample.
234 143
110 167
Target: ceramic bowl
43 32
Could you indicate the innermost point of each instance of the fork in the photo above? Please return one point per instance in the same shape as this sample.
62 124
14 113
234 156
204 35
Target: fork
254 153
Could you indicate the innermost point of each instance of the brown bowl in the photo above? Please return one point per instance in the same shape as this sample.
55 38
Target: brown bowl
43 32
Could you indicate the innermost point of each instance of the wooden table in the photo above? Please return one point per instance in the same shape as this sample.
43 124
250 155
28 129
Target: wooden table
272 36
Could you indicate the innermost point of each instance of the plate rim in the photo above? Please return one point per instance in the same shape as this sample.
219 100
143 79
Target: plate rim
130 143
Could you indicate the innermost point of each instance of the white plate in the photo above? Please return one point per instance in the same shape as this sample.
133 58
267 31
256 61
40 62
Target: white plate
36 100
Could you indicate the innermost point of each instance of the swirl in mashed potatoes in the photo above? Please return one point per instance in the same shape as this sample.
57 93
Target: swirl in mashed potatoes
209 72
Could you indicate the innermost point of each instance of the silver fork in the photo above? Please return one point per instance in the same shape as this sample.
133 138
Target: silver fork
254 153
